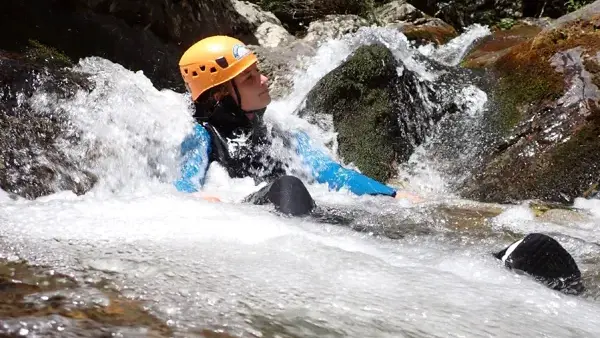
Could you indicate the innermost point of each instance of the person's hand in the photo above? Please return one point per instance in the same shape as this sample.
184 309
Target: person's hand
407 195
209 198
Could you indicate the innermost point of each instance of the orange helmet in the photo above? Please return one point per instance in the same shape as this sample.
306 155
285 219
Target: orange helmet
213 61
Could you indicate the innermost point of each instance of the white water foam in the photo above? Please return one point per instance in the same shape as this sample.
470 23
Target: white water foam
454 51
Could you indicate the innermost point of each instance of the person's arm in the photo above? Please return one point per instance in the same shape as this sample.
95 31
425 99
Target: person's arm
326 170
195 150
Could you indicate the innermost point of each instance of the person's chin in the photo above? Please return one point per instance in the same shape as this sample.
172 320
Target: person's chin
267 98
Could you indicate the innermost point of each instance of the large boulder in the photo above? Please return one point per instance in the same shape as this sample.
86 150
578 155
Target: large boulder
279 63
547 116
140 35
33 137
267 28
397 11
380 109
360 95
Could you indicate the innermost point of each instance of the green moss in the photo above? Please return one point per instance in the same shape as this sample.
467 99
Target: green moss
39 52
359 94
516 91
526 76
573 5
506 23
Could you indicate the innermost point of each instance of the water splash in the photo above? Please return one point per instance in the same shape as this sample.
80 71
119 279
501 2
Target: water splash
130 132
454 51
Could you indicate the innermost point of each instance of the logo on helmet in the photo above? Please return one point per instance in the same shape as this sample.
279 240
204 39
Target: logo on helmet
239 51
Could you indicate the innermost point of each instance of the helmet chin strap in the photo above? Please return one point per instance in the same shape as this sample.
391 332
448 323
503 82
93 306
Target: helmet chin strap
237 94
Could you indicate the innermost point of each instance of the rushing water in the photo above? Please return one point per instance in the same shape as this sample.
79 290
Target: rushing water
246 270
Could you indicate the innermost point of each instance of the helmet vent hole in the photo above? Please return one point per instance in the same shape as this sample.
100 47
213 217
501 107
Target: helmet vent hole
222 62
202 68
194 73
213 69
186 71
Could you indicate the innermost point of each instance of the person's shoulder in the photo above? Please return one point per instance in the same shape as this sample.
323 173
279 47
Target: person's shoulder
201 129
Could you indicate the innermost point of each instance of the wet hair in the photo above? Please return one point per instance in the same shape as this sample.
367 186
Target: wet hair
206 103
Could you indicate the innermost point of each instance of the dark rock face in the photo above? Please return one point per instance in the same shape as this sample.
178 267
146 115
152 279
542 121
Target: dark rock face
547 117
296 15
33 161
140 35
380 115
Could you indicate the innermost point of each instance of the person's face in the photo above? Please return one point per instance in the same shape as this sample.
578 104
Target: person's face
253 88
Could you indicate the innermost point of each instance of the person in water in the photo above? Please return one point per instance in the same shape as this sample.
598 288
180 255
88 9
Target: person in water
230 95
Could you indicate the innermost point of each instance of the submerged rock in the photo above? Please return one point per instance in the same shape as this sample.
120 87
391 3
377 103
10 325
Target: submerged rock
547 116
39 301
34 139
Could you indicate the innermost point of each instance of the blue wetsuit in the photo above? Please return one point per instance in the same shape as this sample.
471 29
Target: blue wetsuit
196 149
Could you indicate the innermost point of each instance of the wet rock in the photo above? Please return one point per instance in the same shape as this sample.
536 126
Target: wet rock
397 11
416 25
39 301
547 117
360 95
333 27
34 137
272 35
149 35
254 14
427 30
487 51
371 98
267 28
584 13
563 217
277 63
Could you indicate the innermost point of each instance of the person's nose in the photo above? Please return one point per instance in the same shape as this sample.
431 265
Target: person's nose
263 80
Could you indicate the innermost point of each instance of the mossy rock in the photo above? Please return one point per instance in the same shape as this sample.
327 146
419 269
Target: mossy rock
40 53
360 95
549 132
